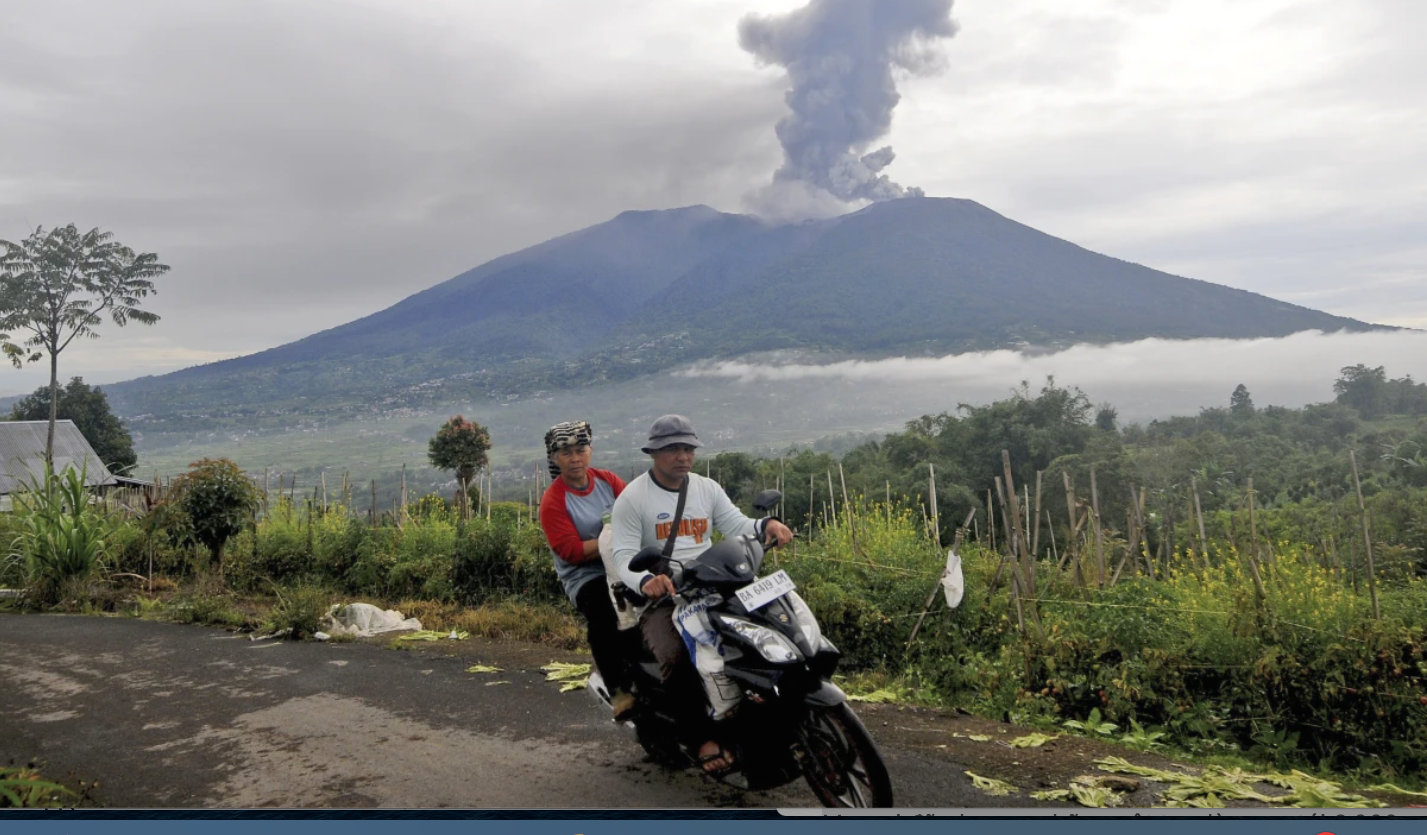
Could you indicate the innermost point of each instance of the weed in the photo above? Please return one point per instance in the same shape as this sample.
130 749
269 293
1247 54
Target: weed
1092 724
24 788
300 610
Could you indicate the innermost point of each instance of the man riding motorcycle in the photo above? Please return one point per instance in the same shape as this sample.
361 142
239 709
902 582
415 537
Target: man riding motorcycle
672 506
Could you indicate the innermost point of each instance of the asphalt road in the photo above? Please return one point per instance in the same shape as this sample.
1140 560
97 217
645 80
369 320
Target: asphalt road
179 716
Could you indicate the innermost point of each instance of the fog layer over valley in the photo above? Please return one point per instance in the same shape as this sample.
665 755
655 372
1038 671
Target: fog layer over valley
772 402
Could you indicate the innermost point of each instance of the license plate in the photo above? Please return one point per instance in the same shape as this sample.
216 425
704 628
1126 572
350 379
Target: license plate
760 593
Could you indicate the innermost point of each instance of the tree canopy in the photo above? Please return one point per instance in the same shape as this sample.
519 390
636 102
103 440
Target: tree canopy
460 445
56 286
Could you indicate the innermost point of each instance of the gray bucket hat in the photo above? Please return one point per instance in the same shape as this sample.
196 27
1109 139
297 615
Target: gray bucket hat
671 429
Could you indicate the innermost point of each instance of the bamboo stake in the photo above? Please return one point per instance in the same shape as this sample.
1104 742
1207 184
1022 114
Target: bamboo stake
1019 585
832 498
812 508
847 510
1136 530
1036 538
1144 530
1170 549
780 491
1099 540
1132 543
1189 518
1005 517
324 492
1026 516
990 521
1367 538
1199 514
936 523
374 503
1016 596
1253 523
1018 542
1006 558
1050 529
1249 554
1072 550
955 545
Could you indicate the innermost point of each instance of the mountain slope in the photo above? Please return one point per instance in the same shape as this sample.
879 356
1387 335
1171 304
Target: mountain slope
647 290
952 274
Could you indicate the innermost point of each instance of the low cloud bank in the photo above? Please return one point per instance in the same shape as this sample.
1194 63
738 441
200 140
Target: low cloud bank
1145 379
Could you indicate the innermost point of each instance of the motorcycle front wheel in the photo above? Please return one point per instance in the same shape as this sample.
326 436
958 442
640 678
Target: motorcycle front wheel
841 762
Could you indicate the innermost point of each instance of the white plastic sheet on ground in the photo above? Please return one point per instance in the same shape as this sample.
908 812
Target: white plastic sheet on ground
952 580
363 620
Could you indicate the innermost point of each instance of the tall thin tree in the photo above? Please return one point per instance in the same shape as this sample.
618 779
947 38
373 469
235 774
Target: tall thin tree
57 286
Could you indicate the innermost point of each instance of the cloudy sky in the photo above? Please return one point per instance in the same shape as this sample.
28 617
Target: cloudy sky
303 164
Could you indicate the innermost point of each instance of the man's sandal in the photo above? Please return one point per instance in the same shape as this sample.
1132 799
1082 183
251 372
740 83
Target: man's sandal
708 759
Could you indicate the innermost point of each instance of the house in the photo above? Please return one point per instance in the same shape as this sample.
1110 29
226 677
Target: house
22 456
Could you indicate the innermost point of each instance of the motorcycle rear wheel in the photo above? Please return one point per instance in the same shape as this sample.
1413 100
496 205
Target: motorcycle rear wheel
661 748
843 766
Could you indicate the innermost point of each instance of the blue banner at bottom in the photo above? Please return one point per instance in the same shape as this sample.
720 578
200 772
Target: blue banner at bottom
711 822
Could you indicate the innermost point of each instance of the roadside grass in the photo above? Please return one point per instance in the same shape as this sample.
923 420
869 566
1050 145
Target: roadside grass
24 787
538 623
300 607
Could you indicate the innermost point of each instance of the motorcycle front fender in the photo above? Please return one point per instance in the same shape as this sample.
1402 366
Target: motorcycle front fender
827 694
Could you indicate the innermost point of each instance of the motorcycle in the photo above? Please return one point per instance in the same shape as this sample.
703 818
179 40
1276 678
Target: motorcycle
793 721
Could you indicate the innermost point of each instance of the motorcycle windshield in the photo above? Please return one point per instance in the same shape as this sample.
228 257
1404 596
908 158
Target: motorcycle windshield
732 562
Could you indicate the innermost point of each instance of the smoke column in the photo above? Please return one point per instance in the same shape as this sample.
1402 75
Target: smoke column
840 55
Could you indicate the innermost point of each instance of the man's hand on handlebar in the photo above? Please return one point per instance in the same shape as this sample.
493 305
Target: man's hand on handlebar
776 532
657 586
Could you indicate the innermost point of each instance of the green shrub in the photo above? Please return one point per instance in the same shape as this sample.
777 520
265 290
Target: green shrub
216 501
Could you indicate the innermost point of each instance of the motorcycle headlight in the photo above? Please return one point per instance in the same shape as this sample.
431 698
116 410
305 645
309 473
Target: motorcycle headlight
769 644
806 621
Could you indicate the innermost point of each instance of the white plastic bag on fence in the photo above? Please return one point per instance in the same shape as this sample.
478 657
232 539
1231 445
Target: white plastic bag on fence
952 580
363 620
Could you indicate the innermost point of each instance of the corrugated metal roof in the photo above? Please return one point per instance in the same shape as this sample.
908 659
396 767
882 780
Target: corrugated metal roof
22 453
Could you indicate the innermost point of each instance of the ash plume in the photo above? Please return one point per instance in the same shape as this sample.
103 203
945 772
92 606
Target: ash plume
840 56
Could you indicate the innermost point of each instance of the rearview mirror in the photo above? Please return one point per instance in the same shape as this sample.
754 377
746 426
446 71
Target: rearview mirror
767 500
647 558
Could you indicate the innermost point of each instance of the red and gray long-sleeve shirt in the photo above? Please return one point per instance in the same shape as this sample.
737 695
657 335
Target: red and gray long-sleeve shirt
569 517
